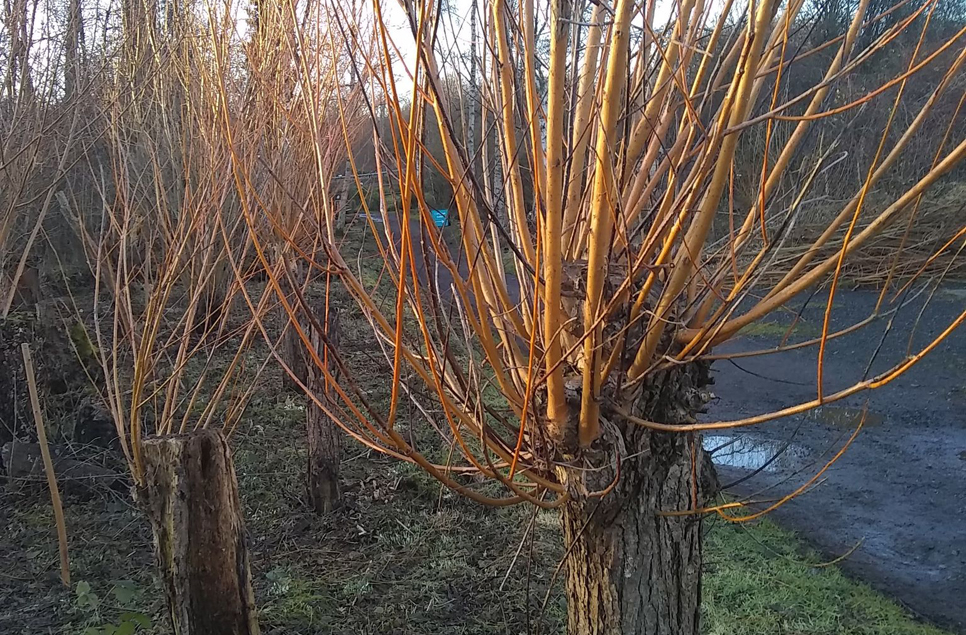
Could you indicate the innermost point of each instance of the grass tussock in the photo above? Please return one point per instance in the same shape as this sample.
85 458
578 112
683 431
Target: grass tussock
762 579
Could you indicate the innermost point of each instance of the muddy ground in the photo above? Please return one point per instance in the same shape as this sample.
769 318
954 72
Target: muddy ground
899 491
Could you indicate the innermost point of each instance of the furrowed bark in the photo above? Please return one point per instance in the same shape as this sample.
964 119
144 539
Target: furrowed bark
292 347
631 570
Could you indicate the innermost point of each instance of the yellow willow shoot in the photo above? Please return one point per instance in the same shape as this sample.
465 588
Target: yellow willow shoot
553 237
603 210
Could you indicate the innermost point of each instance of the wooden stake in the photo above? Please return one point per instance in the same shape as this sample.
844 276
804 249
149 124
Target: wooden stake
48 463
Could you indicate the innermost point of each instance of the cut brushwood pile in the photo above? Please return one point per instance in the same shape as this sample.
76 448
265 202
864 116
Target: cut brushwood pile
926 242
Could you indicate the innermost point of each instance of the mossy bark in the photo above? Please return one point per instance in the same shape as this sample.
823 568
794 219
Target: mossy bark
632 569
190 496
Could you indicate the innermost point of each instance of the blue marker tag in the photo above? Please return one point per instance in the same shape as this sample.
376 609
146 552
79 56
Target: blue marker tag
440 217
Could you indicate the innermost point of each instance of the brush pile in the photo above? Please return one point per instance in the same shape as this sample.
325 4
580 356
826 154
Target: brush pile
925 243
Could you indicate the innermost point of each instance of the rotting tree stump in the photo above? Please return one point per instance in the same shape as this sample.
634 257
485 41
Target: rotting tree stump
324 437
190 495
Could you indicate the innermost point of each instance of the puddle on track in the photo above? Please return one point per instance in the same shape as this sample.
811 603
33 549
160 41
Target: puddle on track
748 452
751 452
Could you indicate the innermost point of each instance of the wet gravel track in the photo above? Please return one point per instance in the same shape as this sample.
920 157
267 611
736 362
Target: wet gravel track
900 488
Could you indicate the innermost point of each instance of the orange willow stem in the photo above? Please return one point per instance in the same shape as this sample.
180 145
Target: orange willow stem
556 406
604 200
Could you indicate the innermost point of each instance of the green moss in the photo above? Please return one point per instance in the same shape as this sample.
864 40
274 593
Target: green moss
292 601
86 350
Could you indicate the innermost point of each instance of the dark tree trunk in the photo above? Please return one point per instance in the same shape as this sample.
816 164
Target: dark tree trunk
341 199
62 379
324 437
209 314
15 415
631 569
74 48
190 496
294 351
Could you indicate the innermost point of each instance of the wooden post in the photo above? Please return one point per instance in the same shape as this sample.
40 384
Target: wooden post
324 437
341 197
190 496
28 365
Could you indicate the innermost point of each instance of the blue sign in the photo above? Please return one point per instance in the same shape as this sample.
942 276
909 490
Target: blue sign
440 217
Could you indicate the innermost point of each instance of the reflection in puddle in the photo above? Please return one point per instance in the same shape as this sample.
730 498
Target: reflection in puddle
844 417
749 452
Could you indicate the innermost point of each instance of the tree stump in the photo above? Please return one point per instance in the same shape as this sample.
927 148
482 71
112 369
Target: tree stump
324 437
190 496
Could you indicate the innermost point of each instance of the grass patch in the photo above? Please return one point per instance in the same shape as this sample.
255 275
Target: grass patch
766 329
761 579
404 556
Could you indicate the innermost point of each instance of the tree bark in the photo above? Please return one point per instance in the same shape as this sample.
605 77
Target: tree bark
293 348
293 352
324 438
630 569
190 496
73 48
